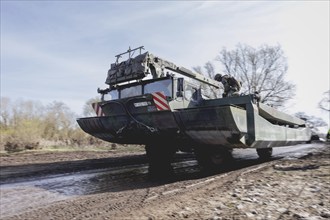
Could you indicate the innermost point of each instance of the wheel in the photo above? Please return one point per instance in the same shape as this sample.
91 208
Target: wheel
210 158
265 153
160 158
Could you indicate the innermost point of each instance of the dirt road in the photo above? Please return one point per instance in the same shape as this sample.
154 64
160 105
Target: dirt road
86 185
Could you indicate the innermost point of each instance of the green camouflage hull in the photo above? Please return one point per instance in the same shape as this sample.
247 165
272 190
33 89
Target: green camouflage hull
231 122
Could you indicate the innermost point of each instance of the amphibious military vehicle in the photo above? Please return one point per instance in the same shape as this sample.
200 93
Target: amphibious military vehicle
165 107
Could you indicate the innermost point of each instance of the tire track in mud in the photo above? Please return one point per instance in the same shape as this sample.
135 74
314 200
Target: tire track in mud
119 182
30 191
21 173
89 193
164 193
130 192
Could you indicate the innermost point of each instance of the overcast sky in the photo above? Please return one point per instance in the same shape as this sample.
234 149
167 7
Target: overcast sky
61 50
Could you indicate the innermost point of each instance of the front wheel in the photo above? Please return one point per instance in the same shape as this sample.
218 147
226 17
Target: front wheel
160 158
265 153
209 158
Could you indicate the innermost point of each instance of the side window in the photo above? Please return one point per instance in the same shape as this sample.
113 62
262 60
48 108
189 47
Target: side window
112 95
190 93
159 86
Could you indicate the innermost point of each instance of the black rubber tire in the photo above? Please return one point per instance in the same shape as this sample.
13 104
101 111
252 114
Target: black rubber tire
211 158
160 158
265 153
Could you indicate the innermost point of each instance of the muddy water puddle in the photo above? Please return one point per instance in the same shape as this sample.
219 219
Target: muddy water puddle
27 195
24 196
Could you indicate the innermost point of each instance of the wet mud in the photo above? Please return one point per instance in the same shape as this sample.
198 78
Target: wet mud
33 188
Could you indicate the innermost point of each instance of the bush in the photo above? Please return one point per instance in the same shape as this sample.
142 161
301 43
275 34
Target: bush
17 145
28 125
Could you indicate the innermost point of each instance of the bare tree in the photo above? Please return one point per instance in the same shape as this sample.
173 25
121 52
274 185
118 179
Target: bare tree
311 120
260 70
26 124
59 121
88 110
324 104
4 112
210 72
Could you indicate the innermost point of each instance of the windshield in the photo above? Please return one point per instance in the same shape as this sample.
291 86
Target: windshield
131 91
146 87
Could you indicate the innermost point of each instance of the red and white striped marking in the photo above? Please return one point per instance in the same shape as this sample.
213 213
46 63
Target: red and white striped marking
97 108
160 101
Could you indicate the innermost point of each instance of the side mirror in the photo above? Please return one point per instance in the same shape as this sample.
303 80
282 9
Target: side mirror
103 92
179 92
